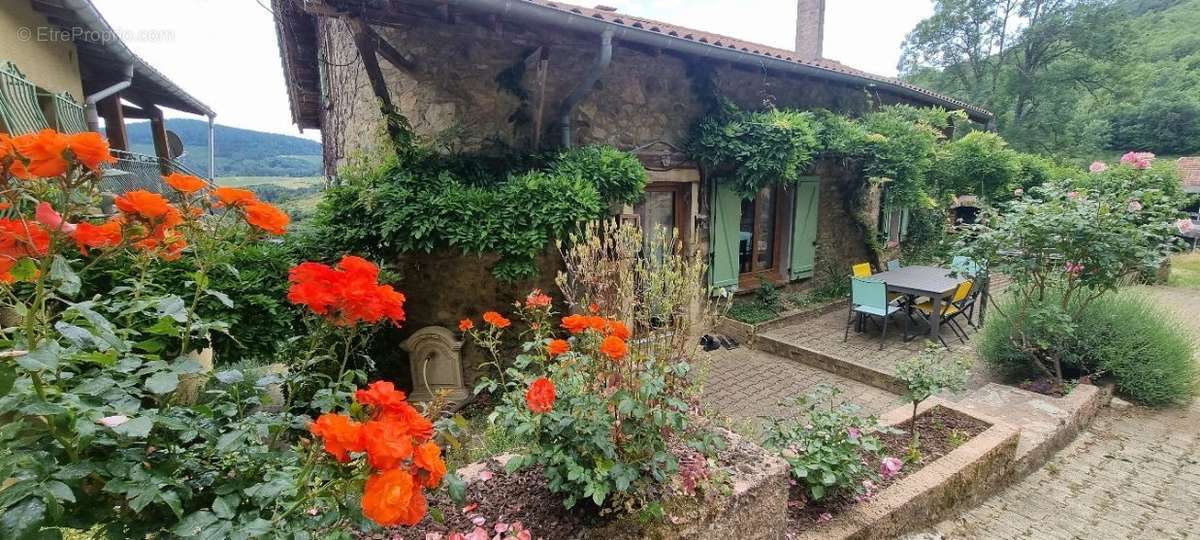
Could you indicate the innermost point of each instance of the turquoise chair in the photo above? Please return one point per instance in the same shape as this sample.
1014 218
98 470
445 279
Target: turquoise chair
893 265
964 265
868 299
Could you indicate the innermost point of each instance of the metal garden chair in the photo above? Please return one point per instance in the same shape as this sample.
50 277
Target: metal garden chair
951 310
869 299
20 112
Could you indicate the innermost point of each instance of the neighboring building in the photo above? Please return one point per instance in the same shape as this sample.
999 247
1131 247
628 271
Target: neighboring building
1189 173
62 66
534 74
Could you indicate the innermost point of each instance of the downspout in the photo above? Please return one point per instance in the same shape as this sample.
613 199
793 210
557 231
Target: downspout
585 88
93 117
212 164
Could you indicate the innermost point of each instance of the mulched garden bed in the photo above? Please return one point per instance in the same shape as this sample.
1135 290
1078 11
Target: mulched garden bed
941 429
502 499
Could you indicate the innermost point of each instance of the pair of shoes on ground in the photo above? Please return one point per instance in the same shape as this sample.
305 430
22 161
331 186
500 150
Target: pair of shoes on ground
712 343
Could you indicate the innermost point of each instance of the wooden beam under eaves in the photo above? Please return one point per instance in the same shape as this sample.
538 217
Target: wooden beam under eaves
365 44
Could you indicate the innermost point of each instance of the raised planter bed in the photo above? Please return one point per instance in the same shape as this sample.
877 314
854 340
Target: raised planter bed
747 333
936 491
745 497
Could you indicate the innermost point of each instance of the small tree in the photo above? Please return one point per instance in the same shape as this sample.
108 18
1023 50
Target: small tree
1062 248
927 374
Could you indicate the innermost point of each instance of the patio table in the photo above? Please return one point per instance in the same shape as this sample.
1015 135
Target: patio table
932 281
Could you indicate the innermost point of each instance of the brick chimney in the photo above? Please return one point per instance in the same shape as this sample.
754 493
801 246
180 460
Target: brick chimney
810 28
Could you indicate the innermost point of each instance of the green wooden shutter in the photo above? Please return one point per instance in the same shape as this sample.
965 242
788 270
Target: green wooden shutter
804 228
724 236
904 216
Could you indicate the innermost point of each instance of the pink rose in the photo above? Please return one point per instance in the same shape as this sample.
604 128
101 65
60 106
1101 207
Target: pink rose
854 433
113 421
1135 206
1019 192
890 467
1072 194
1139 160
1185 226
1098 167
46 215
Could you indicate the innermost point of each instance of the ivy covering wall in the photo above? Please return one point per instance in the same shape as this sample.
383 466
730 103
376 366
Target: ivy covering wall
516 205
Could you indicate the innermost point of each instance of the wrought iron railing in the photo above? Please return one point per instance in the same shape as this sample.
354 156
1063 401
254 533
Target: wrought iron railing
134 171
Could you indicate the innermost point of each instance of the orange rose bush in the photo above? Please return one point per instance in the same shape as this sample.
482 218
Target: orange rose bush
102 311
601 415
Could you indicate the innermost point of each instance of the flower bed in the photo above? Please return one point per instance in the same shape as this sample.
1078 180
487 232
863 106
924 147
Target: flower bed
744 484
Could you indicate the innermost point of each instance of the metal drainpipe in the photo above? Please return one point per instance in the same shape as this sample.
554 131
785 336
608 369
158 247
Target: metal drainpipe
585 88
212 164
93 117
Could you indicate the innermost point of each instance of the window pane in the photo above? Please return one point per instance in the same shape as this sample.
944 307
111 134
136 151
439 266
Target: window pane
746 238
658 217
764 242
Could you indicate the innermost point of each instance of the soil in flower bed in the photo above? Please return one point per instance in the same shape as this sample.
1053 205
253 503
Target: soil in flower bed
941 429
502 498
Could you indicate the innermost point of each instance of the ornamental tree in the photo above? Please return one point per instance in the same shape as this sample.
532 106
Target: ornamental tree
1063 247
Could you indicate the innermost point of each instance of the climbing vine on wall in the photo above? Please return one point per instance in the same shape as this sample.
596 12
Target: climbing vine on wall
751 149
416 200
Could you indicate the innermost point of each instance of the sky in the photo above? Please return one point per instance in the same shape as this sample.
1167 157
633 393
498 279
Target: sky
224 52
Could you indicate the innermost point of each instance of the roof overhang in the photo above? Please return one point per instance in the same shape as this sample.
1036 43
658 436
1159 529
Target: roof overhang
590 21
104 58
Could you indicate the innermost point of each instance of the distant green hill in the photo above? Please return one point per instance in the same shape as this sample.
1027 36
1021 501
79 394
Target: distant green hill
240 152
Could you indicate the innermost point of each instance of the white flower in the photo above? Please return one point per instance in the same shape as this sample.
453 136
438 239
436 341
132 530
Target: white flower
113 421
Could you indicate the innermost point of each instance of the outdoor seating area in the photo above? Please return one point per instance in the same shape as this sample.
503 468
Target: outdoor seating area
921 298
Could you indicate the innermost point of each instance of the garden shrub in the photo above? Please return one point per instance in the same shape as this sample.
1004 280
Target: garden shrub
1071 246
600 398
926 375
421 205
980 163
1122 335
99 434
829 446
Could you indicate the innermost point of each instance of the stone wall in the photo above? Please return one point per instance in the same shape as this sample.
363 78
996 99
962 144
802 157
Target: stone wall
445 287
464 93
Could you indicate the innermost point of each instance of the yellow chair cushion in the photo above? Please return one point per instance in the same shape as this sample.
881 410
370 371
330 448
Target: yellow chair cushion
862 270
927 308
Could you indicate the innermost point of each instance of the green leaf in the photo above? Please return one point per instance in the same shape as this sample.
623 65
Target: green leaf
514 464
45 357
224 298
163 382
817 490
231 376
457 489
24 270
171 499
172 306
8 376
101 327
225 506
60 491
137 428
194 523
23 519
68 281
258 527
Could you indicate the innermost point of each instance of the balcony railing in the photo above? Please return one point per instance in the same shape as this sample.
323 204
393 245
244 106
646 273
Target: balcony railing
134 171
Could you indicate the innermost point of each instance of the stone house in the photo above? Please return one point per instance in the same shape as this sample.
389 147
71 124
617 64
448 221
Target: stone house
538 74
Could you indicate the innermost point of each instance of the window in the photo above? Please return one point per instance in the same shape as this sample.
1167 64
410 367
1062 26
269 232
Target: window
758 238
664 208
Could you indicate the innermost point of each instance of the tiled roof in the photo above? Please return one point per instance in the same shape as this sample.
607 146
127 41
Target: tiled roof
1189 173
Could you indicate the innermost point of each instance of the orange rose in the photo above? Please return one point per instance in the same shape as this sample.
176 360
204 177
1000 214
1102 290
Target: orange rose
597 323
341 435
234 196
540 396
557 347
431 468
575 323
44 150
382 395
107 235
418 426
614 347
144 204
267 217
387 442
6 146
618 328
496 319
537 299
465 325
90 149
393 498
185 183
